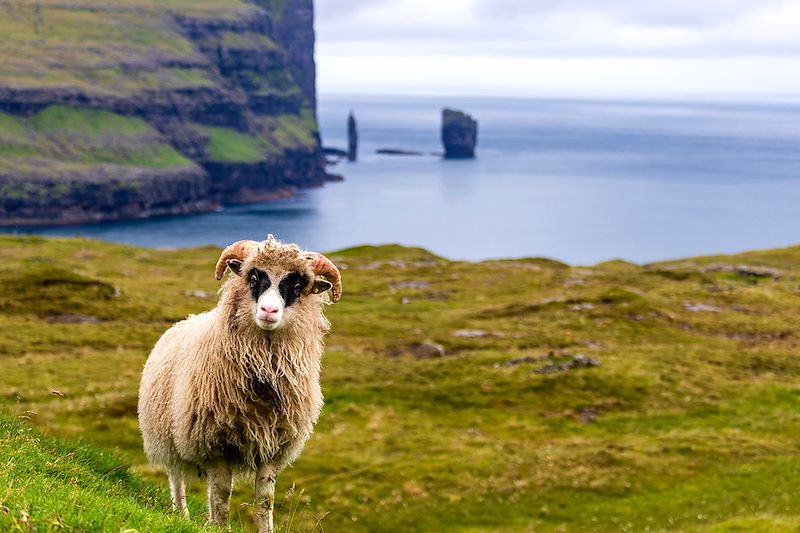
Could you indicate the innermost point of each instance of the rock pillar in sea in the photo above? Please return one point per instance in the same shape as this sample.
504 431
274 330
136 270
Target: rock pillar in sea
352 138
459 134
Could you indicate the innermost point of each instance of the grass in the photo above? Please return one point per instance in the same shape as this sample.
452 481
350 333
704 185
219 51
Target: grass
227 145
75 135
50 485
691 421
53 47
281 133
247 41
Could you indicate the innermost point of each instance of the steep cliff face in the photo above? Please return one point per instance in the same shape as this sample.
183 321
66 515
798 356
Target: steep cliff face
136 108
294 29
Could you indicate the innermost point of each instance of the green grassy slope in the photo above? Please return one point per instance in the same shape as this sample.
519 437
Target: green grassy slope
691 421
49 485
114 47
63 137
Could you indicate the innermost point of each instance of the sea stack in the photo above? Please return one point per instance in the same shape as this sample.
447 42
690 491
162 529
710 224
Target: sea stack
459 134
352 138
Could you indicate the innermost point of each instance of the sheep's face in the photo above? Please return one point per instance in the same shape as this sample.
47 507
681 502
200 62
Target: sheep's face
275 296
274 284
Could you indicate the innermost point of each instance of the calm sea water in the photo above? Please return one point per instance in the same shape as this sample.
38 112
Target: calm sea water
579 181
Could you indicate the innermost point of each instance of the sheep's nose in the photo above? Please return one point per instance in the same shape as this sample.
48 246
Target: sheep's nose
269 310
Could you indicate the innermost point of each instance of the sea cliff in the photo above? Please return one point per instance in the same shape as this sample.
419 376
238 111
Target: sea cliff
137 108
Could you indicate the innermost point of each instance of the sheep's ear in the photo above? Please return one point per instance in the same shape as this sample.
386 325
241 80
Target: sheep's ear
235 265
320 285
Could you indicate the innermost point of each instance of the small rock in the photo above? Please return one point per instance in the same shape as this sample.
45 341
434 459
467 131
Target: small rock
55 392
582 307
410 285
476 333
72 319
336 348
701 308
196 294
405 300
594 345
588 415
428 350
576 361
553 368
521 361
581 361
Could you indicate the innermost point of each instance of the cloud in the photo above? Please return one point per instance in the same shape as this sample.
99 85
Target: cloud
335 10
675 13
567 28
524 46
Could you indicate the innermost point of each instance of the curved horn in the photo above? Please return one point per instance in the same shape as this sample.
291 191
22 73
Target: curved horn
239 250
323 266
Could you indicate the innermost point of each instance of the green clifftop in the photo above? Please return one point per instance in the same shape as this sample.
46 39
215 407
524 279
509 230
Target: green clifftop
134 108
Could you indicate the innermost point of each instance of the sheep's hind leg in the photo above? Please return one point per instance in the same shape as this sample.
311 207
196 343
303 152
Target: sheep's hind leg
219 493
177 487
265 497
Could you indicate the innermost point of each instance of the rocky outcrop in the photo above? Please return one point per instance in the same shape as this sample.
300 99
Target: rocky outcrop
459 134
352 138
217 102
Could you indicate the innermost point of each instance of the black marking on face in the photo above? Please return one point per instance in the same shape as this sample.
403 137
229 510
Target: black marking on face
259 282
292 286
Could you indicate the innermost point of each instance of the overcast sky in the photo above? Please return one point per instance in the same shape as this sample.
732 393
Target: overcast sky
587 48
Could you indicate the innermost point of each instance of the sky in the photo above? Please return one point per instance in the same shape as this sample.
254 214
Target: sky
589 48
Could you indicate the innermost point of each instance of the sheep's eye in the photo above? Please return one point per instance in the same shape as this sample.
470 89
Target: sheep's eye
253 280
298 288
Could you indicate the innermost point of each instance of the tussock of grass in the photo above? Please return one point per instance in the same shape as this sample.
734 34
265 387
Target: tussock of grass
689 423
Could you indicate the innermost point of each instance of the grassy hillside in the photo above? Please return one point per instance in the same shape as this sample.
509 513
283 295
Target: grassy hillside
605 398
114 47
61 137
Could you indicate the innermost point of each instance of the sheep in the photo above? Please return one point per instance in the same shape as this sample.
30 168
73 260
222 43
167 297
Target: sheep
237 388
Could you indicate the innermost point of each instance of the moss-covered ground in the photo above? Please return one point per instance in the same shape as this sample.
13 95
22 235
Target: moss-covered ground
614 397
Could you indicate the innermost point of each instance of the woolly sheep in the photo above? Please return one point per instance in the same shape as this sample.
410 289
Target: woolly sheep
237 388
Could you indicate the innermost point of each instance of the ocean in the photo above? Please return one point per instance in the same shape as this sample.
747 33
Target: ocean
574 180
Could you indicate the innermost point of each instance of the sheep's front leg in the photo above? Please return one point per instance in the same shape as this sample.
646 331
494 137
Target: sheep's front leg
177 488
265 497
219 493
